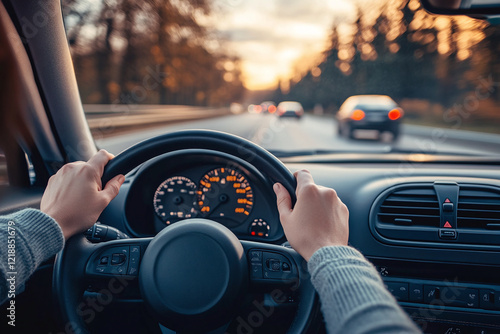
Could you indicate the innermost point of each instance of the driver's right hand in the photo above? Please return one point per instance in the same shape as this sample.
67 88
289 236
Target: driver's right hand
319 218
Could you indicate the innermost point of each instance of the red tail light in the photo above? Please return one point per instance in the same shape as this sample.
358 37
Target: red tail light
358 115
271 109
394 114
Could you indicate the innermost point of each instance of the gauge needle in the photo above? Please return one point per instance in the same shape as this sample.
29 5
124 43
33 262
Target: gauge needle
222 199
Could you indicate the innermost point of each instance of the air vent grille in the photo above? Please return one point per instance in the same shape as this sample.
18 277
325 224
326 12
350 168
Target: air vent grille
414 214
415 207
478 208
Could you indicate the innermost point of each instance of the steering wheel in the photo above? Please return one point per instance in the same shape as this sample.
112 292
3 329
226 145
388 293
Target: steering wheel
193 275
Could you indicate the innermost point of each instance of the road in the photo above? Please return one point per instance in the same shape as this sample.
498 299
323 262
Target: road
318 133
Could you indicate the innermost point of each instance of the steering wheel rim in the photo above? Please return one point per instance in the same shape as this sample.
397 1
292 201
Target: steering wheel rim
202 139
68 280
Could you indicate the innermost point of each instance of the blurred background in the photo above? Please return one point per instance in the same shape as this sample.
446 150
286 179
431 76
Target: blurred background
228 54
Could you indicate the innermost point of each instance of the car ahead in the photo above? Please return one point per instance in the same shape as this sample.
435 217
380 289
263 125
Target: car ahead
290 109
369 112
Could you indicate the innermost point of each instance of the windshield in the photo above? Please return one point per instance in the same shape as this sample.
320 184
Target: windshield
149 67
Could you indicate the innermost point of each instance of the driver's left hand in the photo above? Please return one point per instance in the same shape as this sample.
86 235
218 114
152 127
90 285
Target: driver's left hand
74 196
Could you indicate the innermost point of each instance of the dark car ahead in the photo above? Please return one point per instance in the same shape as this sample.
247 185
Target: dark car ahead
369 112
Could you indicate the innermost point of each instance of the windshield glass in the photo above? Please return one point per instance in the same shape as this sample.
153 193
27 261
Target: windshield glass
150 67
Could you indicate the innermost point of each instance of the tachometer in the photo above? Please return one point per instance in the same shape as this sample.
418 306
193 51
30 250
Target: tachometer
174 199
224 192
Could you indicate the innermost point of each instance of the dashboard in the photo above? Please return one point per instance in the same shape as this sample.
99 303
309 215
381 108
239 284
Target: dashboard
446 284
410 245
201 184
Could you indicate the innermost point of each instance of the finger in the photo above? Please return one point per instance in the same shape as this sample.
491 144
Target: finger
282 199
303 177
99 160
113 187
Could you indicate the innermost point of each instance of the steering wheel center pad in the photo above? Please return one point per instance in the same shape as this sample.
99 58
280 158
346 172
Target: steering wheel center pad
193 273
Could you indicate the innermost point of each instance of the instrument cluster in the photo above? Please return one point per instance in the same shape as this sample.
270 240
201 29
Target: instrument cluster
222 193
227 192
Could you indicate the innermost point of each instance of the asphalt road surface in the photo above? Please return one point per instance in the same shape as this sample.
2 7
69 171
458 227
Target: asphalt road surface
319 133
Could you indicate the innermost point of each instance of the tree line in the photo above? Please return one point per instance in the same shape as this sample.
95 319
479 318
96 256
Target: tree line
406 53
149 52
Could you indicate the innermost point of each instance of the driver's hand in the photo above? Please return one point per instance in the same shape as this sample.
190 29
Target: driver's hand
318 219
74 196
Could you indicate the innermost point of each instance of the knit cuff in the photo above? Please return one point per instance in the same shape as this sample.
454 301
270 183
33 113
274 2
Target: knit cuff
347 279
332 253
39 232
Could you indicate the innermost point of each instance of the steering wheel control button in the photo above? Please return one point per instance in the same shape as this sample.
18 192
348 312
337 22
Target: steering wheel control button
118 259
193 275
273 264
286 266
135 256
255 258
111 261
256 270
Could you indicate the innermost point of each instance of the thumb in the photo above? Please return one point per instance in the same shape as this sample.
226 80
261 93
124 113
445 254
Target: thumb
113 187
283 199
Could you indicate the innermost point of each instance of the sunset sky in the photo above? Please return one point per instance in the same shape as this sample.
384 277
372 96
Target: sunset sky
273 37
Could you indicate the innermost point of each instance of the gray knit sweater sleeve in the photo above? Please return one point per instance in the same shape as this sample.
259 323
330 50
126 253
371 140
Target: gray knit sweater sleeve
353 296
27 238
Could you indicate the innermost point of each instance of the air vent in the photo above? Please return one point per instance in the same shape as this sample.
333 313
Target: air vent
478 208
415 207
412 214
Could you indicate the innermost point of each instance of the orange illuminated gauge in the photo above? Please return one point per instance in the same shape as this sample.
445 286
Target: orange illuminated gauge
173 200
224 192
259 228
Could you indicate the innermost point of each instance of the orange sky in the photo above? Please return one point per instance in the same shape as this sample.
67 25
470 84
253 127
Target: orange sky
273 38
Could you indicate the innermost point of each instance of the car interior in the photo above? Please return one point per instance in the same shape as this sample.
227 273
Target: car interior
429 222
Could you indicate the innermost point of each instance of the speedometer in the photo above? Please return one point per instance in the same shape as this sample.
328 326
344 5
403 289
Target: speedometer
224 192
174 199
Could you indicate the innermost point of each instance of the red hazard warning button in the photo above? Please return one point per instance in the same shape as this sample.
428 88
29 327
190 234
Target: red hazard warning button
447 225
